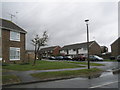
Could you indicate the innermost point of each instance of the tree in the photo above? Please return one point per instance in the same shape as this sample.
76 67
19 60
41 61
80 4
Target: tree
38 42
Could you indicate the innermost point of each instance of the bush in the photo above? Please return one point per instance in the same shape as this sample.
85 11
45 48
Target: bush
5 64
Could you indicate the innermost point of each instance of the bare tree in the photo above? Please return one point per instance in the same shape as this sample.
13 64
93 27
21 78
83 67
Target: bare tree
38 42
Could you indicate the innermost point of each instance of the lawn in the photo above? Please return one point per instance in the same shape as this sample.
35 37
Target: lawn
62 74
110 60
85 63
40 65
8 79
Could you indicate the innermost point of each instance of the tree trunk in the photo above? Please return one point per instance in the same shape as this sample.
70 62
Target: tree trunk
35 56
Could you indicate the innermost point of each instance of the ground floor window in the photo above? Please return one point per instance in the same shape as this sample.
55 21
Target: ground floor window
14 53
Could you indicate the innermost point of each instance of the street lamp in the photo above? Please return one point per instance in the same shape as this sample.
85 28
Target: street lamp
87 43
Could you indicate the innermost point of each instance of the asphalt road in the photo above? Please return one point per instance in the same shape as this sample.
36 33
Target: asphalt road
105 80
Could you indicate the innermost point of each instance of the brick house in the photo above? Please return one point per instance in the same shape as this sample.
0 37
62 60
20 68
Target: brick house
81 49
115 47
50 51
12 41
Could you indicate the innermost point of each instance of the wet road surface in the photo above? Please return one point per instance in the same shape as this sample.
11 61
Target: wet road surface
105 80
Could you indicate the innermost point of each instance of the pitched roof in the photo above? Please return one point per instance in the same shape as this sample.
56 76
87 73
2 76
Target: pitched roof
48 48
6 24
117 40
76 46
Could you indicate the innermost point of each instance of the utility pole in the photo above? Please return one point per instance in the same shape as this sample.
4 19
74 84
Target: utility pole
87 44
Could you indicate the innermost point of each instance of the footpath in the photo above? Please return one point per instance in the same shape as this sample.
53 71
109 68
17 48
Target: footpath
26 78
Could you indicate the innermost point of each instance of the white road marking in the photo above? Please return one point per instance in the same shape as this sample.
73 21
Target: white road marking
103 84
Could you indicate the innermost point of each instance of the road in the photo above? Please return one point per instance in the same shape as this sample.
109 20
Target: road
105 80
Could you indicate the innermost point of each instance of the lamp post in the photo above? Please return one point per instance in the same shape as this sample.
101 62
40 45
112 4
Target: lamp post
87 43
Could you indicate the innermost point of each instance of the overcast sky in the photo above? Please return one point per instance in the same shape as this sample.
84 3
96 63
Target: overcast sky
64 21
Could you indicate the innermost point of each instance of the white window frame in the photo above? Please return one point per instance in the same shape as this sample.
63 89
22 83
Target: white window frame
14 36
17 49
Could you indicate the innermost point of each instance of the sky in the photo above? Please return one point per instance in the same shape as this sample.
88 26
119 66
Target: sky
65 21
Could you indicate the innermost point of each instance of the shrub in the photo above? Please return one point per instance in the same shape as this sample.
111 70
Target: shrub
5 64
25 63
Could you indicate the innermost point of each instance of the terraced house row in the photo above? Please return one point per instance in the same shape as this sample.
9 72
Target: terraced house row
13 45
81 49
73 49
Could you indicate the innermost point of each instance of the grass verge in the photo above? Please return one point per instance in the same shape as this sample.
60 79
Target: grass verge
62 74
85 63
110 60
41 65
8 79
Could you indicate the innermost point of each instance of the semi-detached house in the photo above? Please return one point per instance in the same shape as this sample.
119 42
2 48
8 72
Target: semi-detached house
81 49
115 47
50 51
12 41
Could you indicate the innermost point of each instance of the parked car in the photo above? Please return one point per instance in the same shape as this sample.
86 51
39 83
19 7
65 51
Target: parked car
52 58
118 58
79 58
95 58
59 57
44 57
67 57
112 57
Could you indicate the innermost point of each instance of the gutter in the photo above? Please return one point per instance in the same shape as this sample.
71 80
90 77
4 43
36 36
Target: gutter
13 30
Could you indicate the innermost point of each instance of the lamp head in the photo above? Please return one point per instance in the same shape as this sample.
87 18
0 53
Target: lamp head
86 20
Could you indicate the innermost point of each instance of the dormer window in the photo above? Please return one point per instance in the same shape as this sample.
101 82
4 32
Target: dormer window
14 36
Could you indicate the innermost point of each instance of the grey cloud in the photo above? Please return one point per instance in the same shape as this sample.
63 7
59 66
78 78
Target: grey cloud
65 21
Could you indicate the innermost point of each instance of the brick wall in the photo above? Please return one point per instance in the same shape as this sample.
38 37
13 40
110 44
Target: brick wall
6 44
95 49
56 51
115 48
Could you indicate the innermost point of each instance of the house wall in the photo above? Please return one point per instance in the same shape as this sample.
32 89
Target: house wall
6 43
63 52
115 48
0 43
56 51
82 51
72 52
94 49
29 56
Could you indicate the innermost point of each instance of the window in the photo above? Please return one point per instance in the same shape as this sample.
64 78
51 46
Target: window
84 48
74 50
14 53
14 36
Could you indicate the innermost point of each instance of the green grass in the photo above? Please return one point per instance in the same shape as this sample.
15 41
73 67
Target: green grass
60 74
40 65
85 63
110 60
8 79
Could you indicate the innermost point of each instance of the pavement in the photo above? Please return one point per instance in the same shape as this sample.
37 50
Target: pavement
25 76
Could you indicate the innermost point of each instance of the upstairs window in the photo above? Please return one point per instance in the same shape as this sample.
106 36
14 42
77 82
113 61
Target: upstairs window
74 50
14 36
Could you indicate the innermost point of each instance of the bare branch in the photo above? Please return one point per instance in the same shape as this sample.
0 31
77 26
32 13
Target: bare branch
38 42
